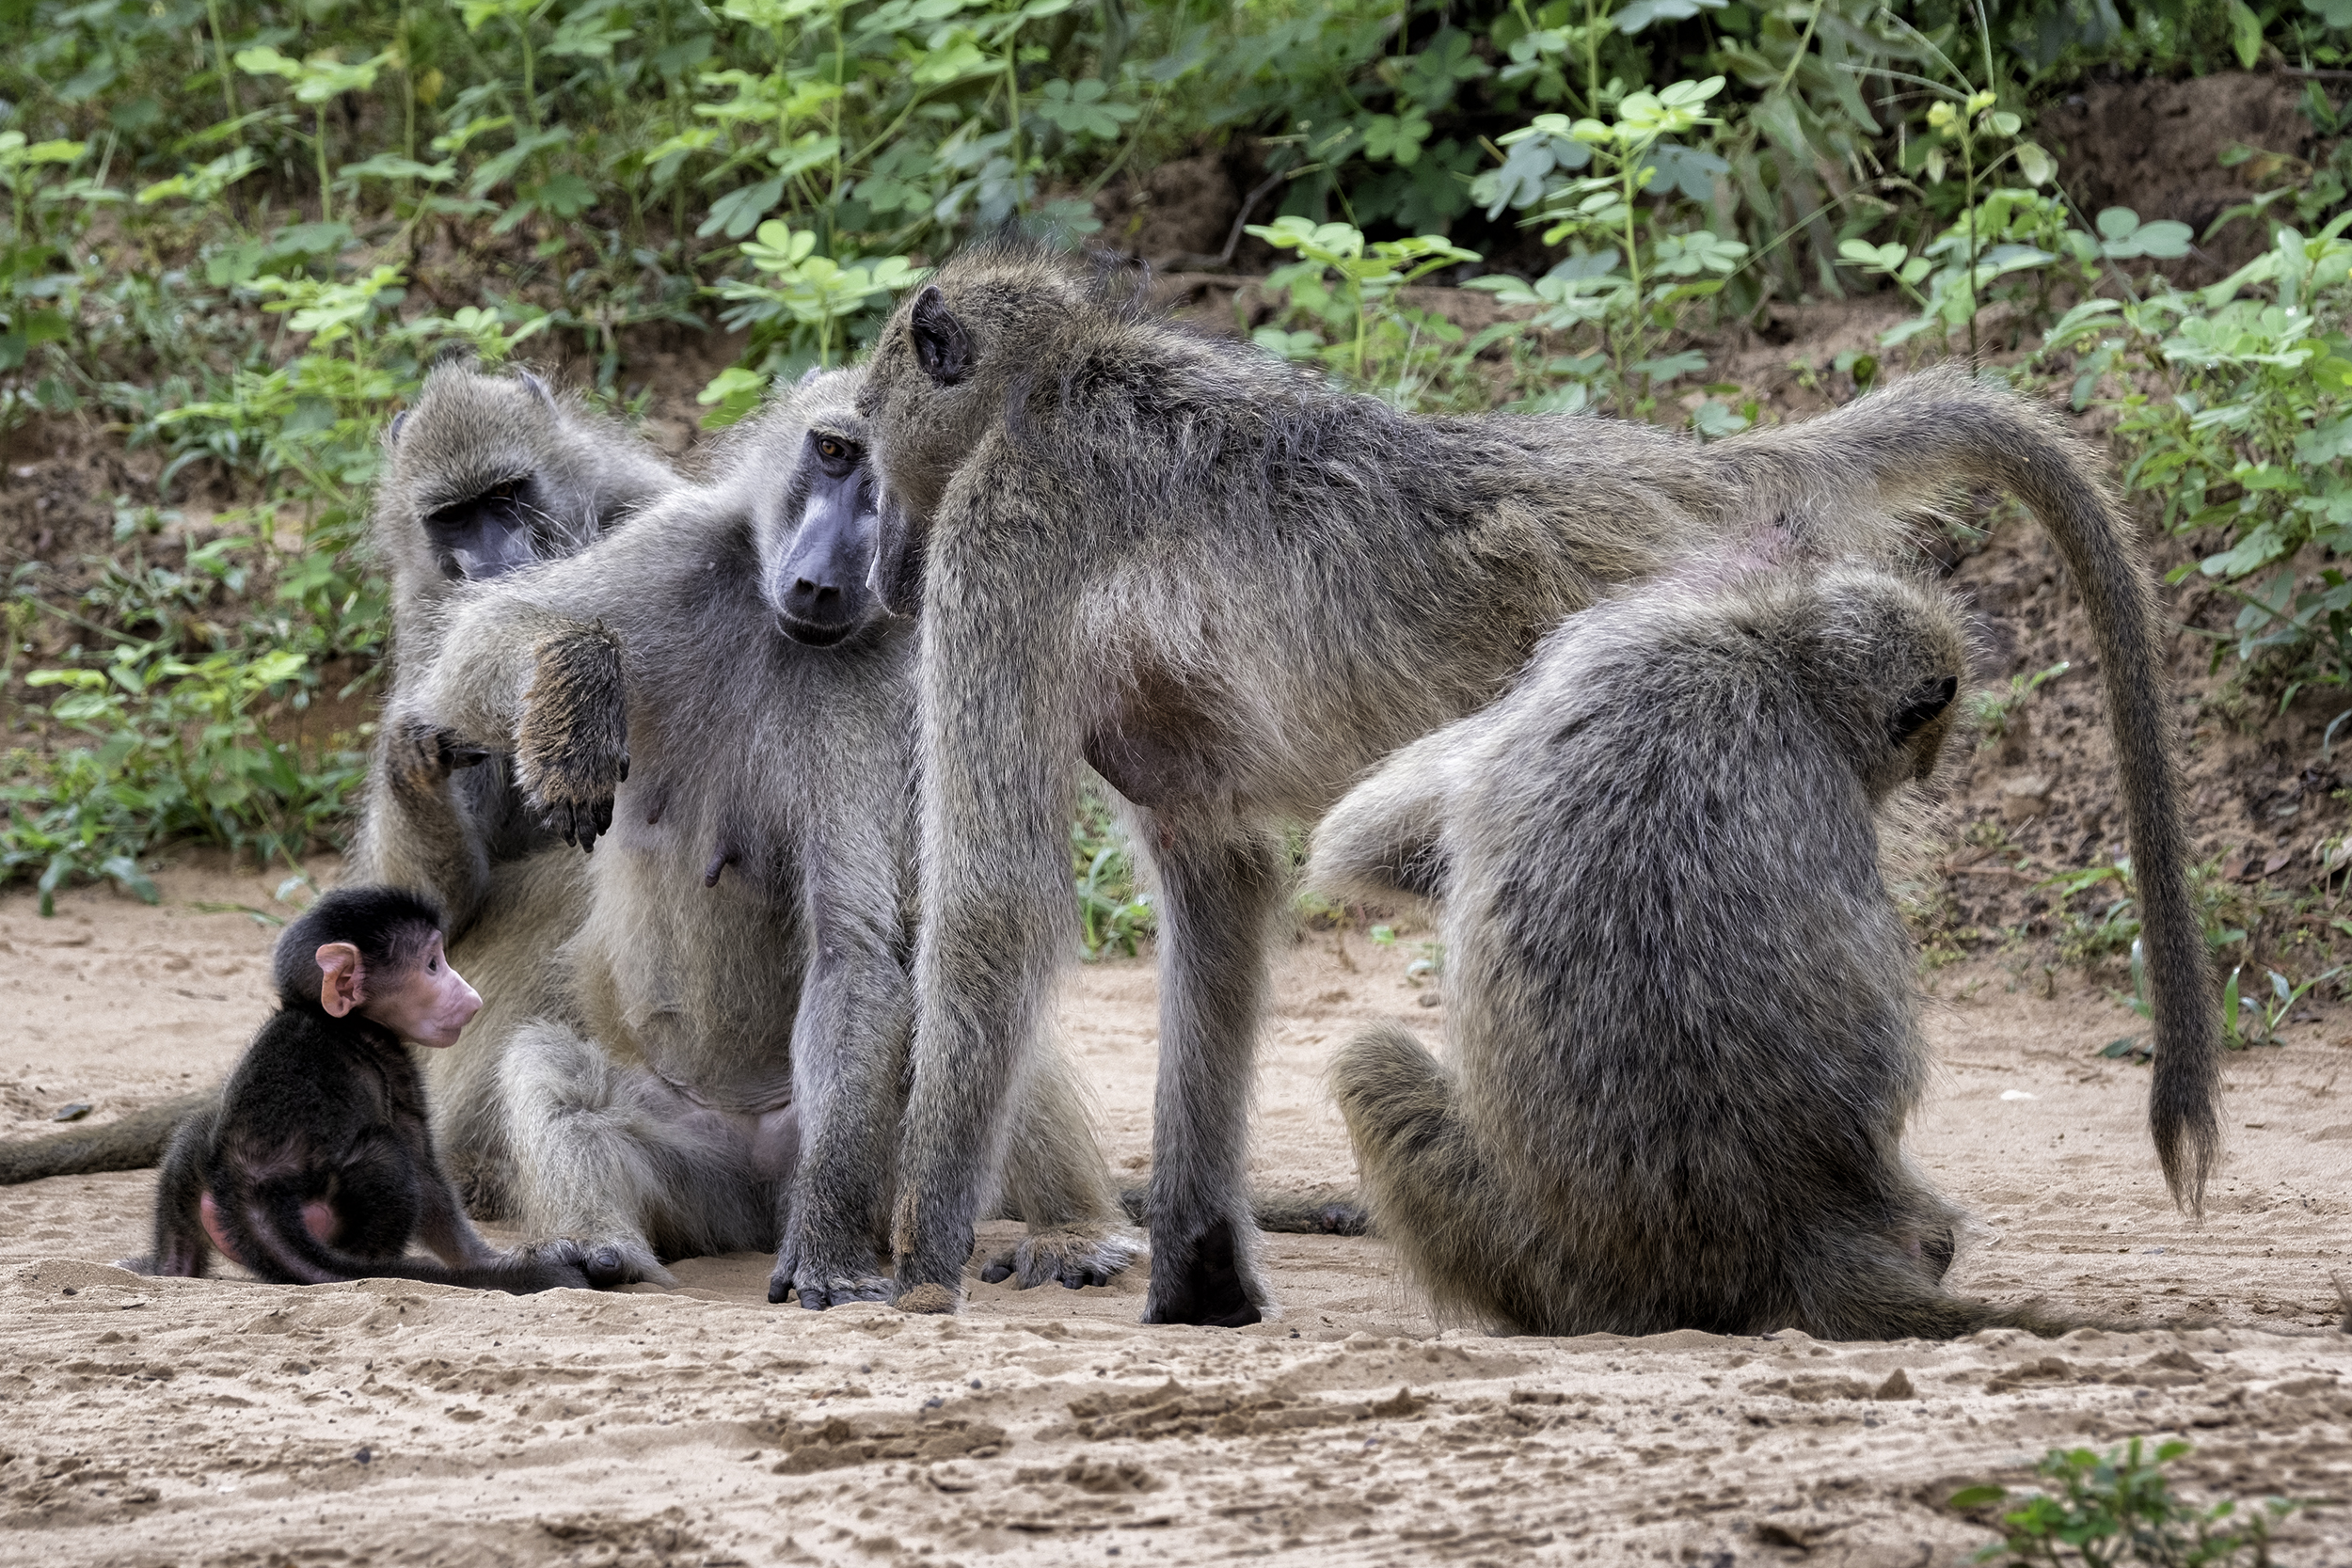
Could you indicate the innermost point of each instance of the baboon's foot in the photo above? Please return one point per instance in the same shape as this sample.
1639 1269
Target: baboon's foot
820 1283
571 753
1203 1278
422 756
930 1301
1075 1256
607 1261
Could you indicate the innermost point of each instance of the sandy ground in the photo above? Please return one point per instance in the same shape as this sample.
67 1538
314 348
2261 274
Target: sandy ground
219 1421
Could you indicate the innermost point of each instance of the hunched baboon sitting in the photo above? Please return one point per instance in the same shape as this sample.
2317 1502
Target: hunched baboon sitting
723 1065
1231 588
482 473
1680 1012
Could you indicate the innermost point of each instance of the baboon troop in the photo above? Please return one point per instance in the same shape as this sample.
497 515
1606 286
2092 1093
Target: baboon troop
1232 588
747 796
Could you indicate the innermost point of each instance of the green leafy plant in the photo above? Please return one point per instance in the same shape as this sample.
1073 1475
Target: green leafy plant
1114 914
1994 711
1348 285
2105 1510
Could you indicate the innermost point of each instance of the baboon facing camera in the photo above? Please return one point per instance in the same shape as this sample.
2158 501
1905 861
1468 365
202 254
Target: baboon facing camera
722 1066
1681 1017
1232 588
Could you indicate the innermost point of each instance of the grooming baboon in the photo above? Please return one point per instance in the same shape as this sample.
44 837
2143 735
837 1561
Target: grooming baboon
724 1065
1681 1010
1231 588
483 473
318 1163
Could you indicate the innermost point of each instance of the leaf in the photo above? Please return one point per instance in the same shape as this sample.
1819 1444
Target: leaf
2246 33
2326 443
1642 13
2336 14
1975 1497
2035 164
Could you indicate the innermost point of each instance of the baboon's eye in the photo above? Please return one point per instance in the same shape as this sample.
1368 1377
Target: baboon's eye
836 455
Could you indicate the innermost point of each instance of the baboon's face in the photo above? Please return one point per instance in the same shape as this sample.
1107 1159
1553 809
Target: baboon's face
818 540
482 498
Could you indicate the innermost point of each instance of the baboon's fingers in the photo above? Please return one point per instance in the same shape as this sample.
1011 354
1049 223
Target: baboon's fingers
817 1297
605 1267
998 1268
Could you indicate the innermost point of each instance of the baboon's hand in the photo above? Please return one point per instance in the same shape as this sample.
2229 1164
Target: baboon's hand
1075 1257
423 755
571 753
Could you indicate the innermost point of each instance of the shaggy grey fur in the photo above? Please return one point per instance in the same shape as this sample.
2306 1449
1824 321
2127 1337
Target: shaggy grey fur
1680 1014
721 1062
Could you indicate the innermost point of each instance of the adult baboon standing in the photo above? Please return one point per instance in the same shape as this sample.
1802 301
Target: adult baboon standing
1231 588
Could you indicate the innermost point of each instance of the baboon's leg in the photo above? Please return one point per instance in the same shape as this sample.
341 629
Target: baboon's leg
1056 1182
1384 839
412 832
1218 901
613 1167
181 1247
1429 1190
848 1071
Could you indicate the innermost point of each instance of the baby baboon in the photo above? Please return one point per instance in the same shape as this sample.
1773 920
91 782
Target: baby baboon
724 1065
1679 1003
318 1163
1232 588
483 473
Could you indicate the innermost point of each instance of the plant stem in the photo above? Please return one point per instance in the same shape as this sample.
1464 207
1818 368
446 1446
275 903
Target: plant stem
1968 163
1012 105
1592 58
326 193
220 63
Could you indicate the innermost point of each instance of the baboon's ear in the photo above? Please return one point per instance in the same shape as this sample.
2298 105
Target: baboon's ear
809 375
942 346
391 432
1921 709
537 386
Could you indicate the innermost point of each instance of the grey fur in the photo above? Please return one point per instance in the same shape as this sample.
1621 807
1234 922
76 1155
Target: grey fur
1681 1019
720 1063
1232 588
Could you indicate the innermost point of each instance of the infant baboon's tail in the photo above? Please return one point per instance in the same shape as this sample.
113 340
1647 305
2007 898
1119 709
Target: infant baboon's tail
1312 1212
1905 446
135 1141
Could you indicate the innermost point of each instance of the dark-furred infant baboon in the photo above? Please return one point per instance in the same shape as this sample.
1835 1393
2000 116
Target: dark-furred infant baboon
1681 1010
318 1163
484 472
723 1065
1231 588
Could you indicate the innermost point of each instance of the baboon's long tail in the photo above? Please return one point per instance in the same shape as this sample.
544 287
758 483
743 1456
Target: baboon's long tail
135 1141
1905 446
1313 1211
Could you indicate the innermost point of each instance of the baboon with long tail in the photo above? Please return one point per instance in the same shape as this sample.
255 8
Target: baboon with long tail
712 701
1681 1019
1232 588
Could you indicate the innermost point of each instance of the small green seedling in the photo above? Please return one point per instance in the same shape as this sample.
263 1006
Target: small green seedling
2105 1510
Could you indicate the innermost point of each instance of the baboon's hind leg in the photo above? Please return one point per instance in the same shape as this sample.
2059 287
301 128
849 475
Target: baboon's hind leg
1056 1182
1218 900
1429 1189
610 1172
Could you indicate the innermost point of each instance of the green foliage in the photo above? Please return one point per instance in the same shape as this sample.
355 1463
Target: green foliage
1994 711
2105 1510
2248 435
175 748
1113 912
1348 285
